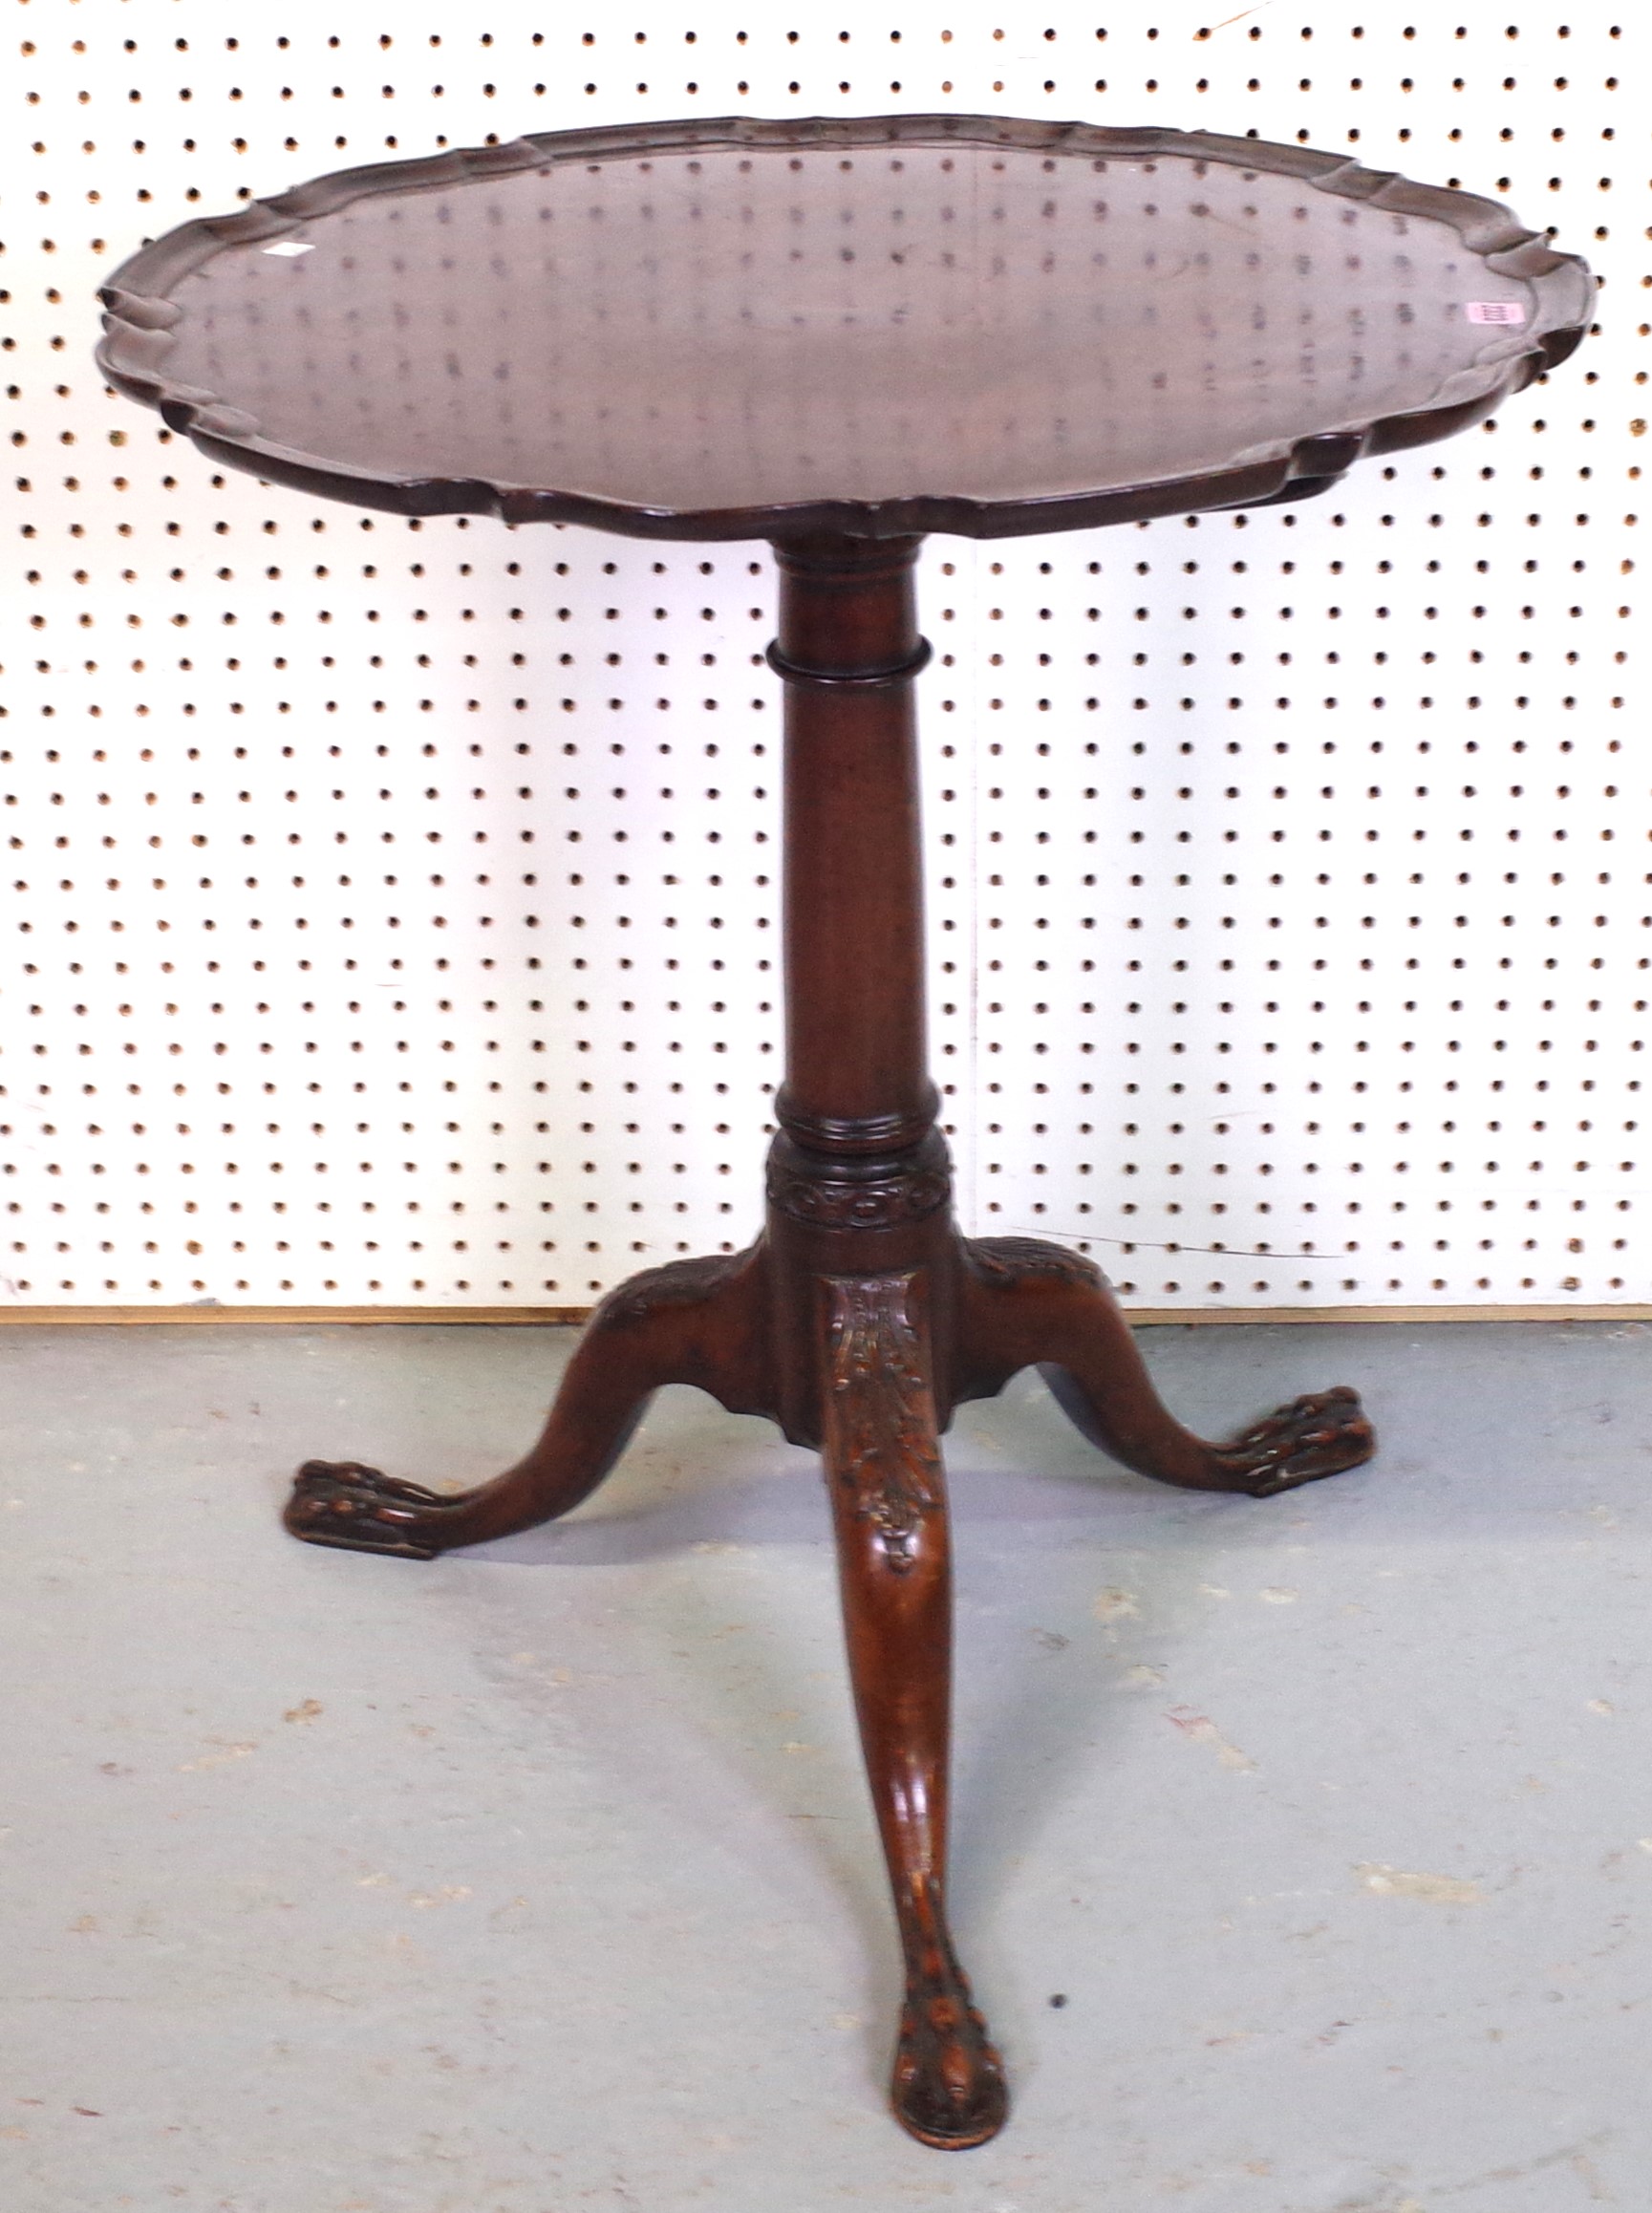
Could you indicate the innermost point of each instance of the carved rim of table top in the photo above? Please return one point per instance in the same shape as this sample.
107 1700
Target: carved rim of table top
142 315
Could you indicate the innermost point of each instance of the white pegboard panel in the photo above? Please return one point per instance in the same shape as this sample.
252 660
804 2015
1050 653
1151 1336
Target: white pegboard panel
390 908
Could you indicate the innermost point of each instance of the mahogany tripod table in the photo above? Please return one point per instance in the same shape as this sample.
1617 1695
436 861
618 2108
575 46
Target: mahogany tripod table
839 336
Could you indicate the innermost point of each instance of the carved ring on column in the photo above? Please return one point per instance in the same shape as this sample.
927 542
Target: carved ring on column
864 1194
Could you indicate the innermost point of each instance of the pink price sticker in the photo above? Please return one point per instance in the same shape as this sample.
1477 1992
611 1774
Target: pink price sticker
1495 312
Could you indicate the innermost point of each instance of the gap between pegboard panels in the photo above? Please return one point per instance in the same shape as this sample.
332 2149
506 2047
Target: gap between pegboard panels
398 900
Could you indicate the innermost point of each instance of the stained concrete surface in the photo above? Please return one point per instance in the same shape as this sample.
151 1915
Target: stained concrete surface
541 1877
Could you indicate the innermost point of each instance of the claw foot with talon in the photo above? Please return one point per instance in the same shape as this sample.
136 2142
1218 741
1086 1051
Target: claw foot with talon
340 1502
1319 1435
948 2089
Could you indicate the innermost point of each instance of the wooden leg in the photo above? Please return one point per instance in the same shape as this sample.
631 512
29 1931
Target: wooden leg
697 1321
1027 1304
889 1512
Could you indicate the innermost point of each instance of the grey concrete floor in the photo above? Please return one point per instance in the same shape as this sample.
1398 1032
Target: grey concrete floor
541 1877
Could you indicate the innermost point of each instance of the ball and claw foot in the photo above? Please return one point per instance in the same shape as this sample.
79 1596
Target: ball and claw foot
1316 1435
340 1502
948 2089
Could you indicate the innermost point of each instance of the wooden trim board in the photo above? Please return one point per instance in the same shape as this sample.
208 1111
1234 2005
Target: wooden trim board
562 1316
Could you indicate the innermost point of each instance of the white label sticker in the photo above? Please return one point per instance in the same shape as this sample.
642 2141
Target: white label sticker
291 246
1495 312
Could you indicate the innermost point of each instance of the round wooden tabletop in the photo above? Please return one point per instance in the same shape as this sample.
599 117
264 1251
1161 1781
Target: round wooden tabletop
891 324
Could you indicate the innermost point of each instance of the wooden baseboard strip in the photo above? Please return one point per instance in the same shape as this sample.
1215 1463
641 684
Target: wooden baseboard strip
292 1316
1209 1317
562 1316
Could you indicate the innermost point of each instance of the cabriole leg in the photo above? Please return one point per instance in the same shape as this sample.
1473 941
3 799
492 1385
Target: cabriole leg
1028 1305
889 1505
696 1322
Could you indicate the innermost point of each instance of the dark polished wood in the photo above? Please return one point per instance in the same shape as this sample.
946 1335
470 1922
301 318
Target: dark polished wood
879 325
883 1468
702 1322
861 1318
839 336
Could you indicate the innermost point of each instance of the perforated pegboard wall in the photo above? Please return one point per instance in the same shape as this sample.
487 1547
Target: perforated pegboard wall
389 917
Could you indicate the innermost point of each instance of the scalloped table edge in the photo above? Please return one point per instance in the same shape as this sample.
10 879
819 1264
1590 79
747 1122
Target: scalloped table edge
139 317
